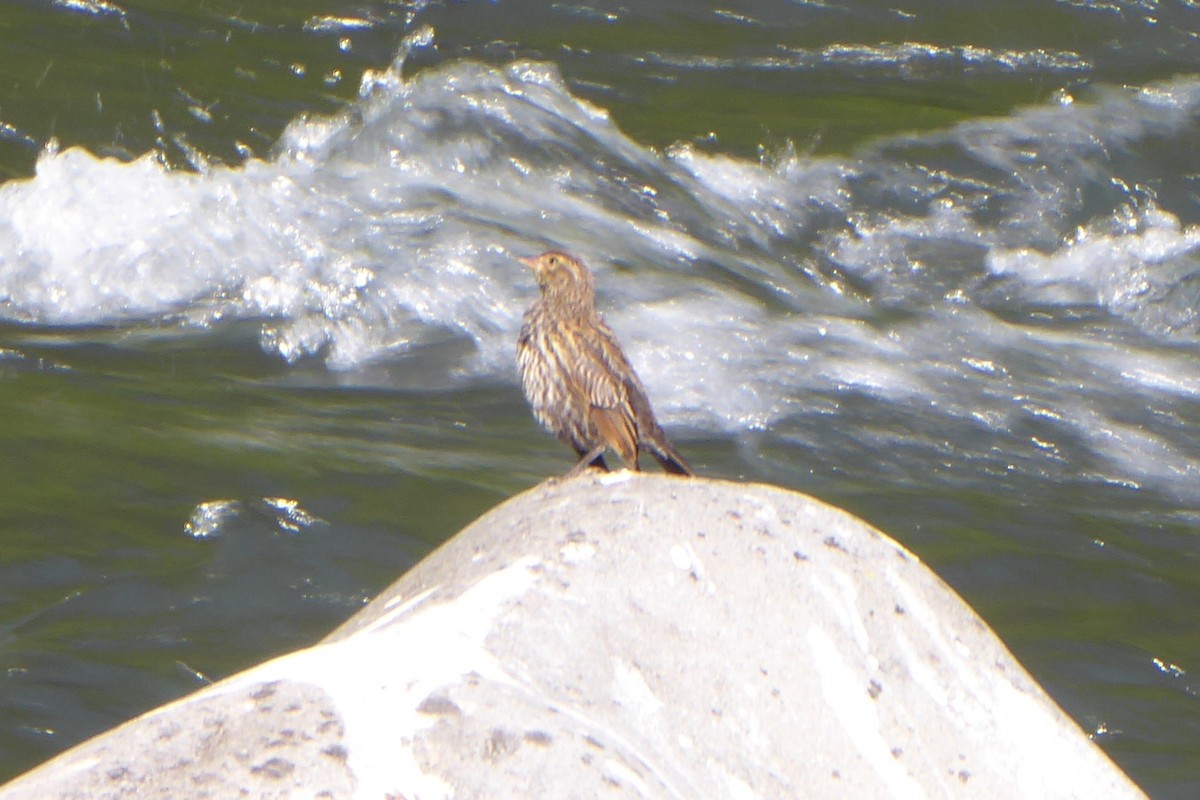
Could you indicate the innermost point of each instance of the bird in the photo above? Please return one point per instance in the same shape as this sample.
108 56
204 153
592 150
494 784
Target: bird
577 379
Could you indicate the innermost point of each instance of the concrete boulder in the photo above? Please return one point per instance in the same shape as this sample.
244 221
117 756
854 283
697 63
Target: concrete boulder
624 636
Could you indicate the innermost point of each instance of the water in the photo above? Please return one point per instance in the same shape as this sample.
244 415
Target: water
938 264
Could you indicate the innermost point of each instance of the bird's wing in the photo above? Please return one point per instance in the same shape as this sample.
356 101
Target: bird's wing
601 368
601 371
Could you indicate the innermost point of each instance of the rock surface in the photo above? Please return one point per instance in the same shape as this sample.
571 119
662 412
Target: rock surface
624 636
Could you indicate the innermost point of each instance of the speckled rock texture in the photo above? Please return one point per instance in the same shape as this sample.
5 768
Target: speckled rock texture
624 636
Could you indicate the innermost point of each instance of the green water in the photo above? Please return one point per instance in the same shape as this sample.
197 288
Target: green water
222 79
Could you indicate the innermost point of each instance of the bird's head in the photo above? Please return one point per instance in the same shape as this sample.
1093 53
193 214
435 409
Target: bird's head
562 277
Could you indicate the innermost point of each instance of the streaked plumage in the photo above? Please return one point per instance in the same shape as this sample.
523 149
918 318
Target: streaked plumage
576 377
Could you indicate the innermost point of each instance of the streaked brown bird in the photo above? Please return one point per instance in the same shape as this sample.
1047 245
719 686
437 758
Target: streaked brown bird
577 378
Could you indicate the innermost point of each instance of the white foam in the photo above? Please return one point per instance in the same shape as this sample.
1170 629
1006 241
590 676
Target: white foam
745 293
1120 264
909 57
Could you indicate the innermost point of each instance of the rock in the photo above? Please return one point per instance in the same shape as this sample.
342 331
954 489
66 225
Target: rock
627 636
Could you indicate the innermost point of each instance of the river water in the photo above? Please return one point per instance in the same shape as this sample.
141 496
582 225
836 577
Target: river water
935 262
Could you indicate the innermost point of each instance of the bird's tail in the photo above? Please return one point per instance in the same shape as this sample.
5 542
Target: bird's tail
668 456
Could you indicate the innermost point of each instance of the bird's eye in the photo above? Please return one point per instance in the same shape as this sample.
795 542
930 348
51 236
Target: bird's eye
554 261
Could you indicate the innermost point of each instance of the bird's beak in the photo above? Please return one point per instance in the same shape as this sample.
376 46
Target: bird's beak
529 261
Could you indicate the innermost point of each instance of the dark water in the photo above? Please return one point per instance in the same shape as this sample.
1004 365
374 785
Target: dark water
937 263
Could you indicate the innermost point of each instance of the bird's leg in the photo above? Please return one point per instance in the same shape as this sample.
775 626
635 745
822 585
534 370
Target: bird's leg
595 456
